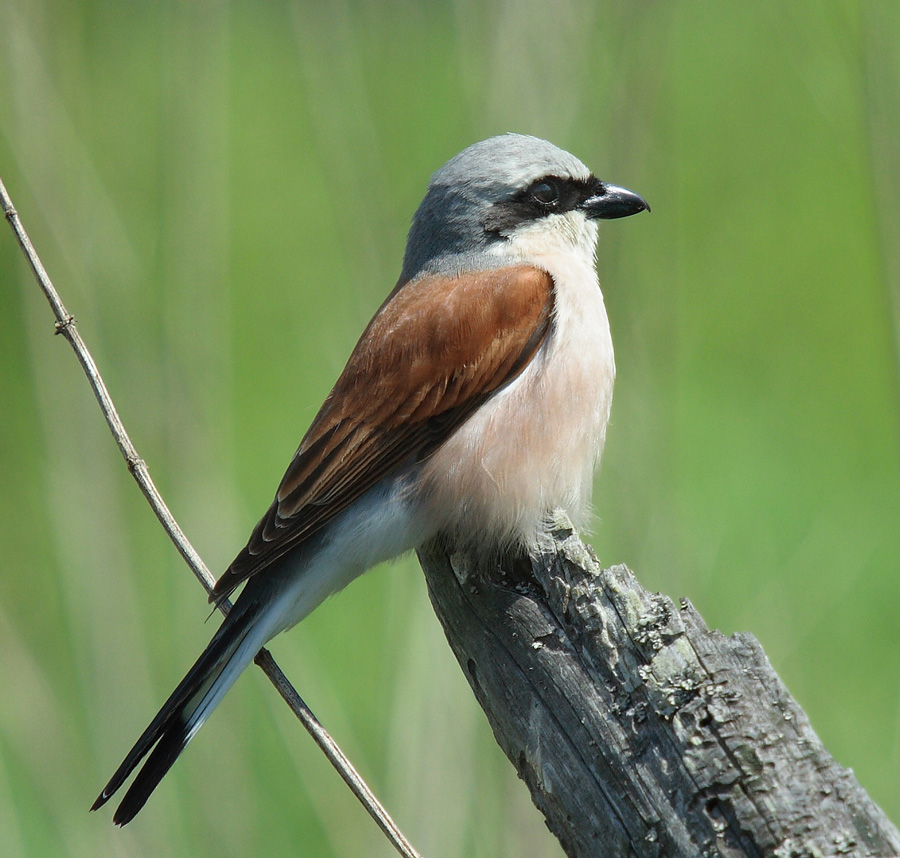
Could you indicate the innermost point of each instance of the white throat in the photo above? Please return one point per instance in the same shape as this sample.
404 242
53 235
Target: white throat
552 236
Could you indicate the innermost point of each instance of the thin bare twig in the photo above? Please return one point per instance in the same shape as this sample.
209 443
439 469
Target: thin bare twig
65 325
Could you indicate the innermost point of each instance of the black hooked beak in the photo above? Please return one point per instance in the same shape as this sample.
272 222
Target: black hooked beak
611 201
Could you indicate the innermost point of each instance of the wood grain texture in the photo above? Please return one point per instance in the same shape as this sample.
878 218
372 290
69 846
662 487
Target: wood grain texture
638 730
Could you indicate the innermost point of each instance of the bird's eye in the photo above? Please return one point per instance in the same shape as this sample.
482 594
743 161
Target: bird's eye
545 192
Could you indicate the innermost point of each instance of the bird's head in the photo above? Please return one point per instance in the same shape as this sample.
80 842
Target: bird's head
505 196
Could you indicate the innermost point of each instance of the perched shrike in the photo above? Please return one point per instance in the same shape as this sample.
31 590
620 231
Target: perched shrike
475 402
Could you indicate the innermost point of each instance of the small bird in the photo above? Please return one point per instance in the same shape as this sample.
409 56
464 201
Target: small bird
474 403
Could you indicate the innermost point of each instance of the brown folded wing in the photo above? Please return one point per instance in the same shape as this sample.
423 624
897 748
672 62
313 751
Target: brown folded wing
436 350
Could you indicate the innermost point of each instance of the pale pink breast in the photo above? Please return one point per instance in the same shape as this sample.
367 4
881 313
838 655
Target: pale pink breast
534 445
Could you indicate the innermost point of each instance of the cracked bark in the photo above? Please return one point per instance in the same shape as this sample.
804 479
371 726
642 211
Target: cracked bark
638 730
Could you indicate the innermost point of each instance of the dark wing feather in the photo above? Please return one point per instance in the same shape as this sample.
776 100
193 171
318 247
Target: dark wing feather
436 350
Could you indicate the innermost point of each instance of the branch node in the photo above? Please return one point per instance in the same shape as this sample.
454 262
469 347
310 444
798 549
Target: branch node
62 326
135 464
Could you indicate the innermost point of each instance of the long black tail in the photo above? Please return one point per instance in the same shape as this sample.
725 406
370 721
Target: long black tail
232 648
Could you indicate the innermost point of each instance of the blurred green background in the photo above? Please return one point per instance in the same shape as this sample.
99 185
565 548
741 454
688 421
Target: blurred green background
221 192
